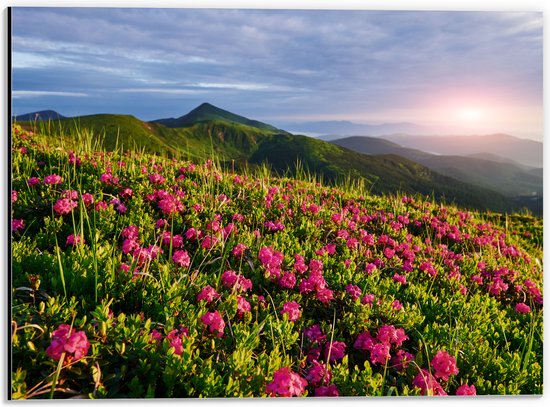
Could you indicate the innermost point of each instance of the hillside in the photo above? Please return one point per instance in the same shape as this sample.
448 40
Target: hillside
241 146
139 276
501 175
207 112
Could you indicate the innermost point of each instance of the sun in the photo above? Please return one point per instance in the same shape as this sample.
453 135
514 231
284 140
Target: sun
470 114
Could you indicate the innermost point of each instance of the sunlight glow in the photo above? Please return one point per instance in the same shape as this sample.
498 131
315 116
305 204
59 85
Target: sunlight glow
470 114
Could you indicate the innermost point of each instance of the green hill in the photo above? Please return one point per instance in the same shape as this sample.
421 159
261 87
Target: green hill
207 112
505 176
243 145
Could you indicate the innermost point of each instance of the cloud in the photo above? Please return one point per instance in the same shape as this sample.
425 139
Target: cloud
278 62
17 94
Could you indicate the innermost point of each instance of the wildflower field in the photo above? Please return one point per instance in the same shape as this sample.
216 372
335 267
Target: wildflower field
139 276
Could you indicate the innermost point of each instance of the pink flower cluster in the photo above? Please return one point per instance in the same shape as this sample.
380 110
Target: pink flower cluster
235 281
64 206
444 365
380 346
286 383
74 240
292 310
181 258
215 322
64 339
208 294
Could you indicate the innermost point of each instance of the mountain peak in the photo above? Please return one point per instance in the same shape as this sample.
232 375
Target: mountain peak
208 112
42 115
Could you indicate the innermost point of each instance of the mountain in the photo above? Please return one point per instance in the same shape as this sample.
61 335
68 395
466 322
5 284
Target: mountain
42 115
524 151
336 129
207 112
504 176
244 145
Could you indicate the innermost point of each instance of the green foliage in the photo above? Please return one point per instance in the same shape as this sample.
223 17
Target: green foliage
145 322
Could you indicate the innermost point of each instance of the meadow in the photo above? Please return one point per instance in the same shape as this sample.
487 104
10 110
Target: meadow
138 276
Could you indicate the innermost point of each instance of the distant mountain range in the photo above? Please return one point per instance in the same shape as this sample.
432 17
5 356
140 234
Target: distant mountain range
39 116
385 166
523 151
486 170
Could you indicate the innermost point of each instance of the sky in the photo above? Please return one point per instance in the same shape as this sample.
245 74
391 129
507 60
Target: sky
478 72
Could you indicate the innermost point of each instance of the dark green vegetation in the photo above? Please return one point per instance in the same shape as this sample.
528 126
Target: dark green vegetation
242 143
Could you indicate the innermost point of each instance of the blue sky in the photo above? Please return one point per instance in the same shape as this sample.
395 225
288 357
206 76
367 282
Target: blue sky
480 71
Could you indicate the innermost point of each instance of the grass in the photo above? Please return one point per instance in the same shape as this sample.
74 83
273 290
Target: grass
145 326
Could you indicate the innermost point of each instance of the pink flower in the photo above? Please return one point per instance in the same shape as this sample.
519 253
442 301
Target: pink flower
466 390
17 225
130 232
401 360
396 304
101 206
365 341
209 241
367 299
170 206
398 278
175 338
318 374
428 384
286 383
391 335
522 308
161 223
214 321
208 294
327 391
238 250
176 240
156 178
181 258
126 193
232 280
444 365
33 181
74 240
156 337
324 295
353 291
314 333
192 234
70 194
13 196
87 199
380 353
52 179
64 206
243 306
336 349
292 309
129 246
74 343
288 280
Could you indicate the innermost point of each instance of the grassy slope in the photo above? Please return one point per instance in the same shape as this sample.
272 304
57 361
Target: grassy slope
497 349
242 146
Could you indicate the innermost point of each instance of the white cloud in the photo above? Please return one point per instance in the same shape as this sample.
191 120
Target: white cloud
161 90
17 94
